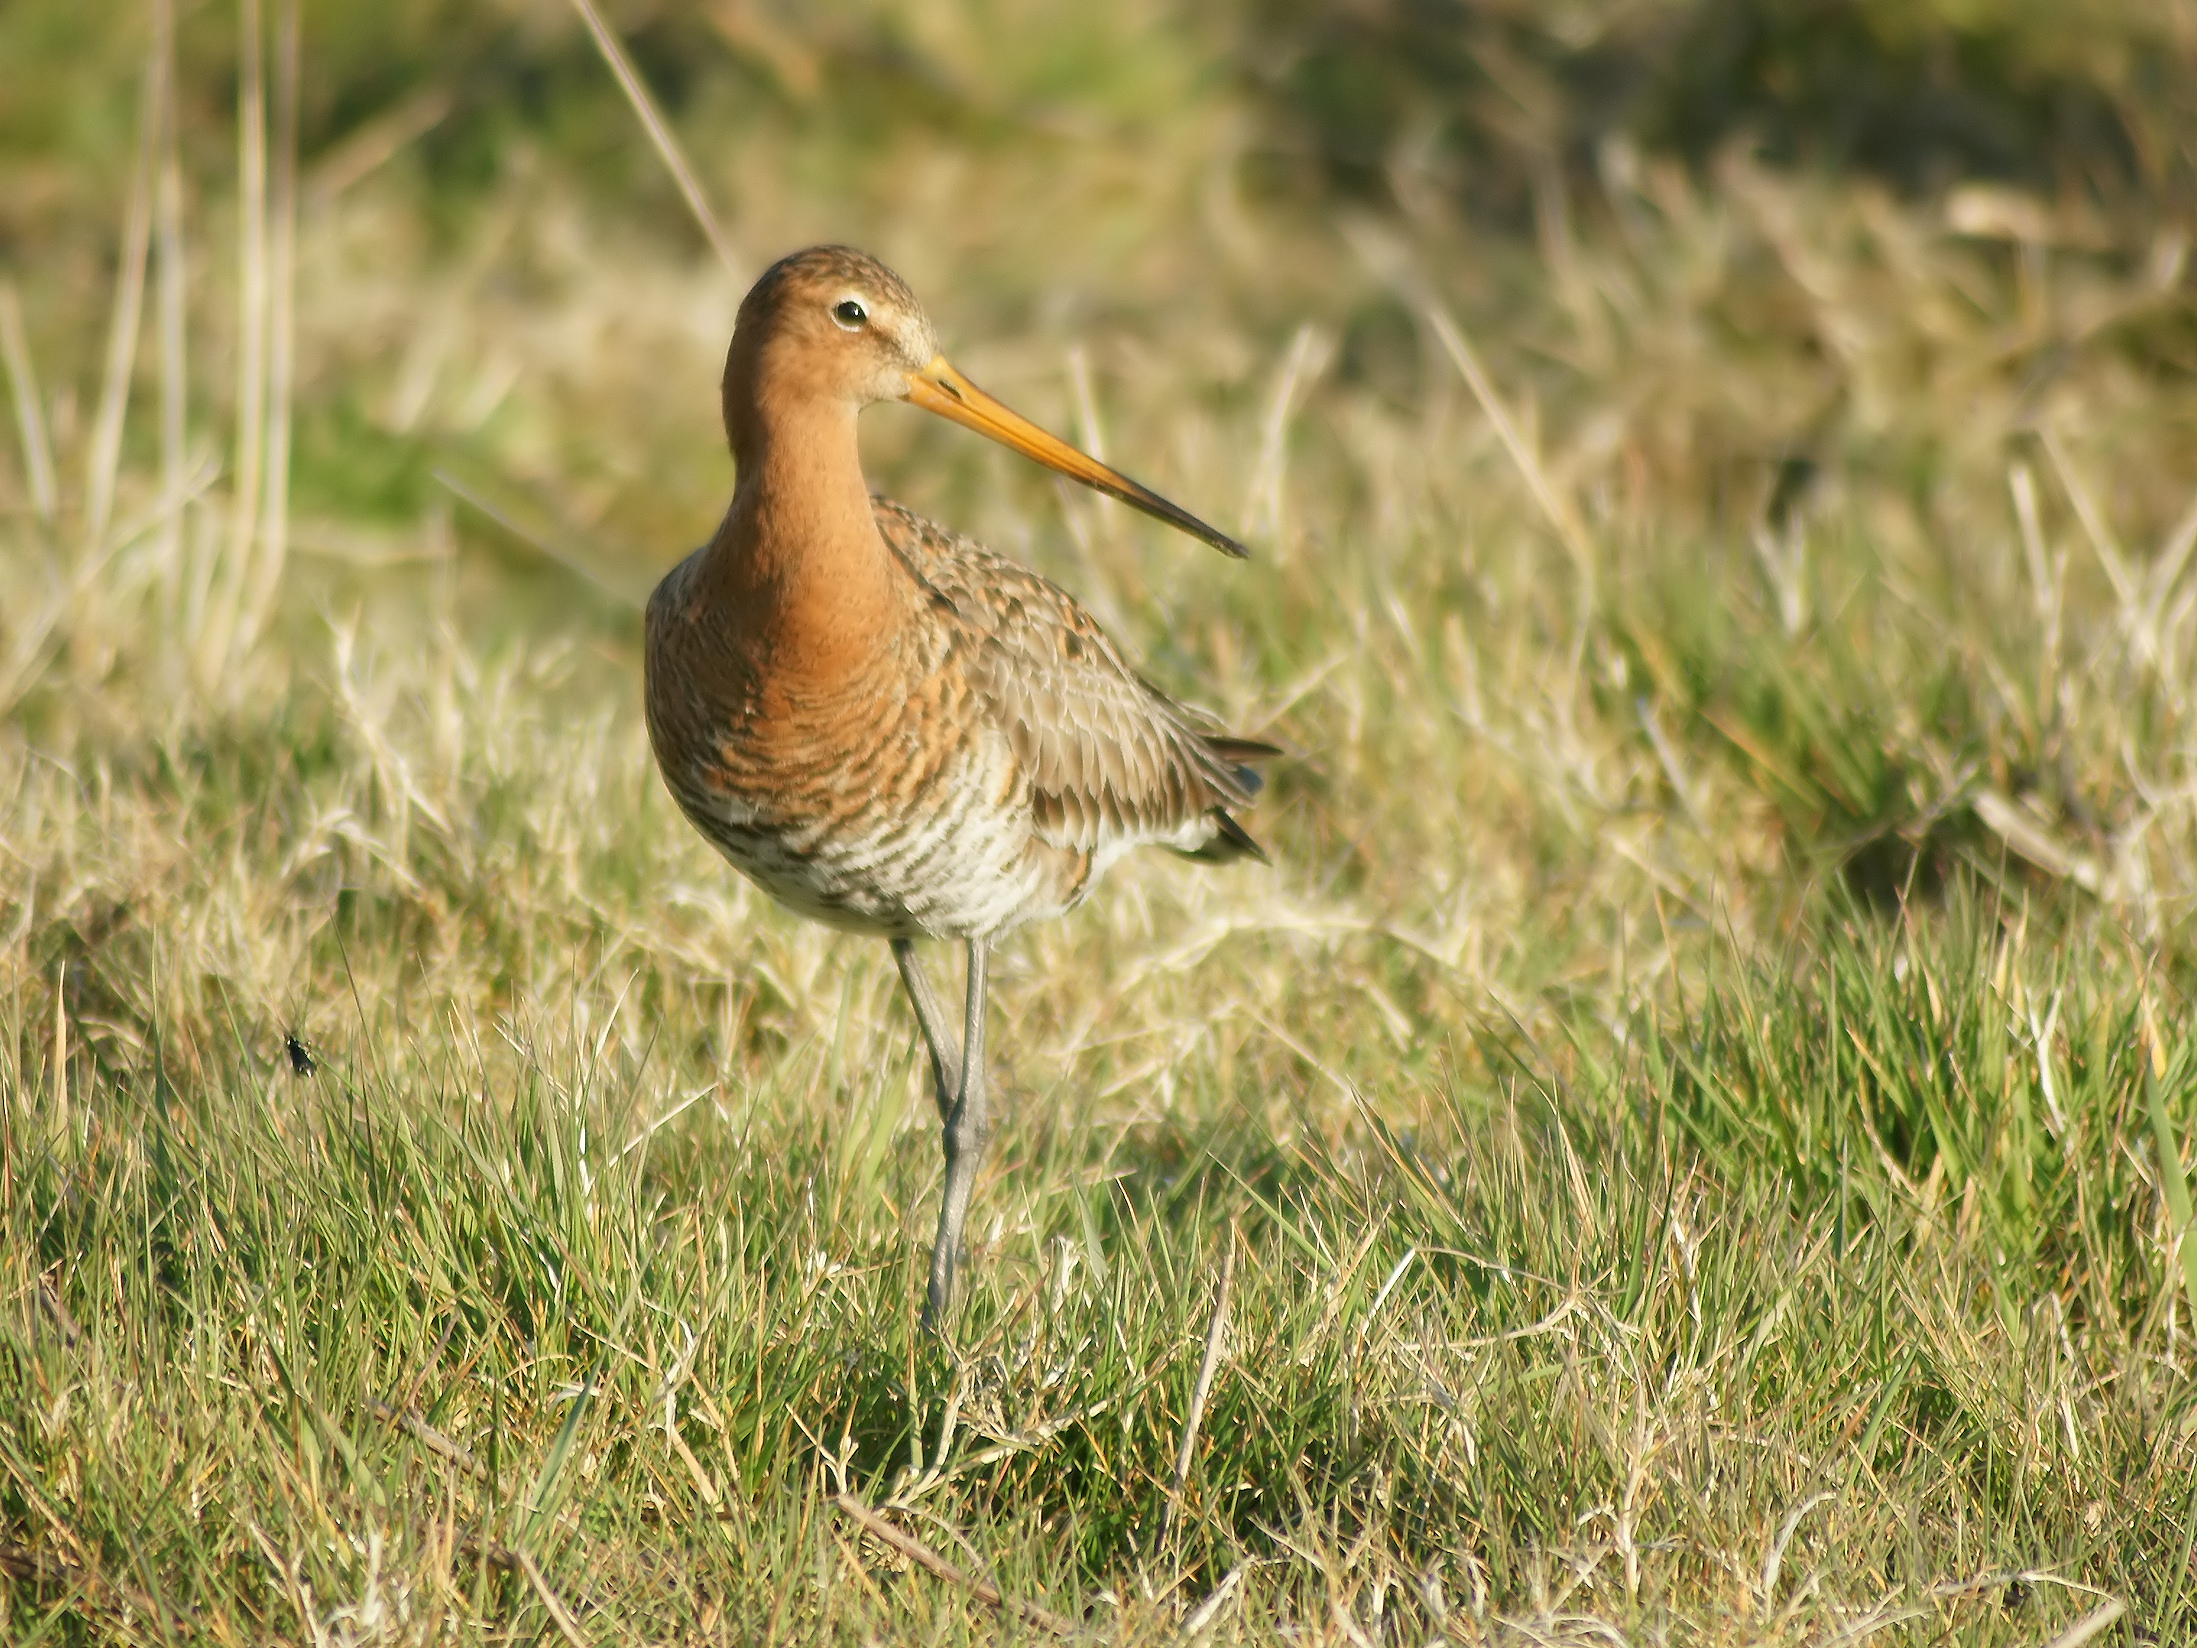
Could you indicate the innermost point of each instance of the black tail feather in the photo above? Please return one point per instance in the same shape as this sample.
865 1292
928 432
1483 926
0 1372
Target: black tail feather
1230 842
1236 753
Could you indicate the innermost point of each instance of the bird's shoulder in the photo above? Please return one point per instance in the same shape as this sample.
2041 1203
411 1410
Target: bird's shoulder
1018 610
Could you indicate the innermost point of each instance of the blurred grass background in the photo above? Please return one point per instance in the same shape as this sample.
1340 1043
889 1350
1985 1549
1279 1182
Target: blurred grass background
1702 1101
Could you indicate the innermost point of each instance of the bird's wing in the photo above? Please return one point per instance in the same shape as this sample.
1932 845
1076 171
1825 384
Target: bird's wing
1110 758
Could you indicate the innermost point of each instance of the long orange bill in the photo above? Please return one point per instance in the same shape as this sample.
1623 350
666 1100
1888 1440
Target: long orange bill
939 388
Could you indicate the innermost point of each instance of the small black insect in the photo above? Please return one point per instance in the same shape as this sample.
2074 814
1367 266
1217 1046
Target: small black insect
301 1061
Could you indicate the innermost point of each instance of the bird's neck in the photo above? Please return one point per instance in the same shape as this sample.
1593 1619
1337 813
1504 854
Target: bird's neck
799 558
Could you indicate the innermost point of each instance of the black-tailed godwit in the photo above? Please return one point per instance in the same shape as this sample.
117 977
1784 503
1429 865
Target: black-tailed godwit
886 726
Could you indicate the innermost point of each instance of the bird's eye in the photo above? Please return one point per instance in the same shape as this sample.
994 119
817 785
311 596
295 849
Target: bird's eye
849 313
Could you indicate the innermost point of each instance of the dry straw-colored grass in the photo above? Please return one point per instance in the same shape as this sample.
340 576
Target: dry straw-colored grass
1698 1095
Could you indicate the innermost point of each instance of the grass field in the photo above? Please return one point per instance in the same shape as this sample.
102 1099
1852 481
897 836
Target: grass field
1689 1142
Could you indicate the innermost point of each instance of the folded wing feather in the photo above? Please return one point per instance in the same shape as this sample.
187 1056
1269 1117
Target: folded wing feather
1112 761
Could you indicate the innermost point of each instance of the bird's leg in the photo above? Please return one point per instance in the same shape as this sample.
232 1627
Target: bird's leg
968 1130
938 1035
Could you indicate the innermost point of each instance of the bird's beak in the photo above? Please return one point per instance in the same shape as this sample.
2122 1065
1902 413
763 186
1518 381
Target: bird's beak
939 388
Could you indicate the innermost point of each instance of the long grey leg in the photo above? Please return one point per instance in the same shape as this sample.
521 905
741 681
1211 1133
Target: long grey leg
938 1035
968 1131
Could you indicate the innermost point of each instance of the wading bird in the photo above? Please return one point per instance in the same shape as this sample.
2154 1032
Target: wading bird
886 726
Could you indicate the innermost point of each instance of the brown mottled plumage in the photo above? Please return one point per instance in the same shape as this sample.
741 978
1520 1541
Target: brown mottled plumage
888 727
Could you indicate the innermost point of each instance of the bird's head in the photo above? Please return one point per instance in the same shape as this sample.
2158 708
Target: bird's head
830 323
833 324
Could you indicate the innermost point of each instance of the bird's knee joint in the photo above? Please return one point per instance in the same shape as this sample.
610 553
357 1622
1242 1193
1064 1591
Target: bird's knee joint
968 1137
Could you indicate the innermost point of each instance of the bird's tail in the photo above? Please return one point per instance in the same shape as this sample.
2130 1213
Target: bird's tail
1230 842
